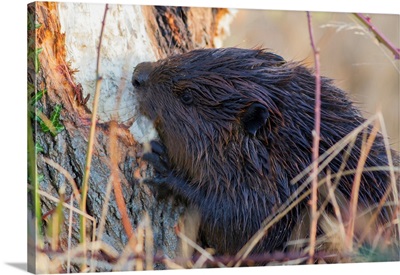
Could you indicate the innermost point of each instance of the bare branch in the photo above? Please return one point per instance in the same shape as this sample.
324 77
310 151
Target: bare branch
315 149
85 181
365 20
66 174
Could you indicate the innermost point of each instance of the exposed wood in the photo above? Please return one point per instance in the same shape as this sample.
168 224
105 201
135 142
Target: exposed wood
68 79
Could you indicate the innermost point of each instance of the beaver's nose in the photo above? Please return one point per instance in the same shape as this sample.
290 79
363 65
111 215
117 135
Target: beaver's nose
141 73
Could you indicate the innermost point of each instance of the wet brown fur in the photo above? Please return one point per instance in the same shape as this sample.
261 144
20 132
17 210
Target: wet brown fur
200 101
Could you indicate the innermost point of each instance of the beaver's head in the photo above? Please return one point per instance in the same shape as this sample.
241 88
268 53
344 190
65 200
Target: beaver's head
214 87
204 103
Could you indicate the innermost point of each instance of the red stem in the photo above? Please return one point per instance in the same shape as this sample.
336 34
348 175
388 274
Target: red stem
315 149
379 35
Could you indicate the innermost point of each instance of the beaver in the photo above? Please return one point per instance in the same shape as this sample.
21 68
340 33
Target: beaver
235 127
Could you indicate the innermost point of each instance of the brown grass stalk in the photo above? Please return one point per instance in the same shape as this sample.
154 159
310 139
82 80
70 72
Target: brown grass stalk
149 242
33 176
93 240
374 216
57 220
360 215
70 235
54 199
124 258
203 259
171 264
102 222
333 151
292 201
47 122
75 254
66 174
143 243
336 208
270 221
365 148
393 180
138 248
106 203
338 176
204 253
284 209
85 181
119 196
331 189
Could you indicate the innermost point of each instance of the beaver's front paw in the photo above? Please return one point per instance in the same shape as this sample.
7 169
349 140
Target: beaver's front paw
158 158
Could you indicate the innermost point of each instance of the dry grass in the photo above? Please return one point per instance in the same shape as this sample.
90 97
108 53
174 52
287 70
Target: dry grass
86 175
343 239
334 228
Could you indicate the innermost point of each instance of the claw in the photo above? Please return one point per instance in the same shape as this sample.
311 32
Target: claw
159 165
158 147
160 186
155 153
157 156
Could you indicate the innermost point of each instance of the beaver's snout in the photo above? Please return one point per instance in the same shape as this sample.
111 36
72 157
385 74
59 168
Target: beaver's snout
141 73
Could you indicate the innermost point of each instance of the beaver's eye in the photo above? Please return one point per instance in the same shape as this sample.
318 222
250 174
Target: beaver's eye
187 98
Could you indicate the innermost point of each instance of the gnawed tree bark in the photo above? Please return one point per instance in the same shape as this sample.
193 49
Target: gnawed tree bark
68 36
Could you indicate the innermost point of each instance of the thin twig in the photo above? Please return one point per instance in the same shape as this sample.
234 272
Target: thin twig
32 172
85 181
334 150
57 220
49 124
149 242
378 34
138 247
66 174
93 241
393 179
119 196
52 211
123 261
391 189
201 250
76 253
56 200
70 235
315 149
103 217
338 176
336 208
270 221
374 216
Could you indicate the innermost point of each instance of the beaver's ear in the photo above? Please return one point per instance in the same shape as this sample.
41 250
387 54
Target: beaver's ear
254 118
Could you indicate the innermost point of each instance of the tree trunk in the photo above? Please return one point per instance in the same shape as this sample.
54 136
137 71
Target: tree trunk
68 37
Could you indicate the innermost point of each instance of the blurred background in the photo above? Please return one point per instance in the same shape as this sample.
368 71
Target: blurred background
349 53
